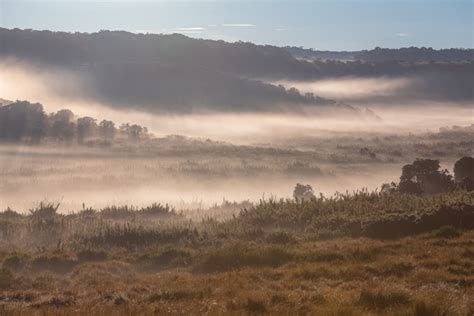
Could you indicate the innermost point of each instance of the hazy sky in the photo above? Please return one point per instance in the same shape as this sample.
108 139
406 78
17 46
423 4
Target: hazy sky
320 24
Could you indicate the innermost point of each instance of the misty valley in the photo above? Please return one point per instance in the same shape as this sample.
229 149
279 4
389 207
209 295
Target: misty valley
76 161
160 174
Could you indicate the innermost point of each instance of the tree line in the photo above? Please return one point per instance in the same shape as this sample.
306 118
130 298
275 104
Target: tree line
380 55
423 176
22 121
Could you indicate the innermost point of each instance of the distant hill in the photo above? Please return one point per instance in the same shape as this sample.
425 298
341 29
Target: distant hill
175 73
165 72
112 47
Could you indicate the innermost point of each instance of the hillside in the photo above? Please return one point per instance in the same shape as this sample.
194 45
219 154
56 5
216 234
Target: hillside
174 73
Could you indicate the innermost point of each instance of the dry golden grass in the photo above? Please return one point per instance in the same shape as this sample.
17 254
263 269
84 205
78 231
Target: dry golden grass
365 253
421 275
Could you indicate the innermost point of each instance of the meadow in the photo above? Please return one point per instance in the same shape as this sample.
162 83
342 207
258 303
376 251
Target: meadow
192 226
366 253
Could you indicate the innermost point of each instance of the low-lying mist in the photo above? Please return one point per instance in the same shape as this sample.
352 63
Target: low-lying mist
331 146
352 89
99 178
57 89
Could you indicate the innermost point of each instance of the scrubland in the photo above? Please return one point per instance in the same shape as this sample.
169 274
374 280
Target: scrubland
366 253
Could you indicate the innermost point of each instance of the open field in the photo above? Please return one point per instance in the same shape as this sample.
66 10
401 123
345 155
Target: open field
359 254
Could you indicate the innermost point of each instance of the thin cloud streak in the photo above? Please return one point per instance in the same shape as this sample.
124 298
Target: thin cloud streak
238 25
190 29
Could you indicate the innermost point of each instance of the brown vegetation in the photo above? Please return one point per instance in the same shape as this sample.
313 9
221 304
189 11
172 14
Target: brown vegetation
319 256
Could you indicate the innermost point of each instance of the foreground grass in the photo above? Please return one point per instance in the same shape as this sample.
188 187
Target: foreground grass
360 254
422 275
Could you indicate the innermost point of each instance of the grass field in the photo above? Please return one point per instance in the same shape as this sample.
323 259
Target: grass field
365 253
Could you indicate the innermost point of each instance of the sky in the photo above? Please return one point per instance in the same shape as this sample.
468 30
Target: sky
319 24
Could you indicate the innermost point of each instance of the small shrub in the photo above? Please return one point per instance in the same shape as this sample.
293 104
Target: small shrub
10 214
255 306
7 279
120 300
423 309
165 259
279 238
91 255
44 211
54 263
15 262
237 257
445 232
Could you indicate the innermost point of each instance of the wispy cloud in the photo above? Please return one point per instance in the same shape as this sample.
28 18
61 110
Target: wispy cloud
190 30
402 34
238 25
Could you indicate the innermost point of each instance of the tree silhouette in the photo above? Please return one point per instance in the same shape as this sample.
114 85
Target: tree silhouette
303 192
86 127
425 176
107 130
62 125
464 173
22 121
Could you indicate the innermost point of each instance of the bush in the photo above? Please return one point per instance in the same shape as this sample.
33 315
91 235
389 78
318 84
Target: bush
279 238
53 263
91 255
10 214
424 309
44 211
445 232
7 279
239 257
254 306
15 262
167 258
